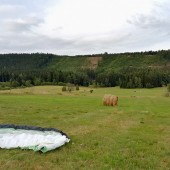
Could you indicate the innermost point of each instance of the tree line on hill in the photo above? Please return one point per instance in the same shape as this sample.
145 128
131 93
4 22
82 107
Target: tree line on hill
126 78
16 72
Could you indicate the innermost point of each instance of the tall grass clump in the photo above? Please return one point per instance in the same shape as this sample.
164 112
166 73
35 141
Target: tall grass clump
167 94
168 87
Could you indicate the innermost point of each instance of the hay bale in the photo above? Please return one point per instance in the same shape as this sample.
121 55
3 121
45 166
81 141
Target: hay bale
106 100
110 100
114 100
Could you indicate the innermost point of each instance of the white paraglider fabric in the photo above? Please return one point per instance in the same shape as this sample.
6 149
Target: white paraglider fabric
31 139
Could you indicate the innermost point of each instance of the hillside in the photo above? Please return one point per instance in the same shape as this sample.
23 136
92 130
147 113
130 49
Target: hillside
127 70
102 62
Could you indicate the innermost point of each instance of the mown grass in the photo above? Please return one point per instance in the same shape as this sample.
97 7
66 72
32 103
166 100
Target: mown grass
134 135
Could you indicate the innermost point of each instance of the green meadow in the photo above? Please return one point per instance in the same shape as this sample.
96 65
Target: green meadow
134 135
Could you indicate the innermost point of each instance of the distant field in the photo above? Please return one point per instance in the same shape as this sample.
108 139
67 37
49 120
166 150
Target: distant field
134 135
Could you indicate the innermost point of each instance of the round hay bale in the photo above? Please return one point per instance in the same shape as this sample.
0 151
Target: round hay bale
110 100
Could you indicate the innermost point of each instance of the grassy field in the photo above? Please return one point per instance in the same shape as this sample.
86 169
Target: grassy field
134 135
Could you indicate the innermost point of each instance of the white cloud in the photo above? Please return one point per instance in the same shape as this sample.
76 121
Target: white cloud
10 8
21 24
84 26
91 17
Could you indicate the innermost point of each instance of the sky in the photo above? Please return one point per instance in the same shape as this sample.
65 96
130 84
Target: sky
77 27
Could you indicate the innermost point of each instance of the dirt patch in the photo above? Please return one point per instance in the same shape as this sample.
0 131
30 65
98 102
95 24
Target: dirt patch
166 65
93 62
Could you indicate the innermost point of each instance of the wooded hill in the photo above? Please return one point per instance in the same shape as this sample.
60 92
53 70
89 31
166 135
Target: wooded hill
128 70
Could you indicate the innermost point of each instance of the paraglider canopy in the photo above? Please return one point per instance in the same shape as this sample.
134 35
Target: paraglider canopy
31 137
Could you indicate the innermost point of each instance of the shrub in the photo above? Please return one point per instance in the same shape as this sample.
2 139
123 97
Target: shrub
28 83
77 87
4 88
64 88
61 84
148 85
70 87
91 91
47 83
14 84
37 81
5 84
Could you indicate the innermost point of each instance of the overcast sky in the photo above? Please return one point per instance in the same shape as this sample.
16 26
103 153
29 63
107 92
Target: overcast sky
74 27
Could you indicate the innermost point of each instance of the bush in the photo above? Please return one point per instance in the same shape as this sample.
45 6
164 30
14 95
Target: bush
5 84
61 84
70 87
77 87
28 83
64 88
47 84
37 82
4 88
148 85
14 84
91 91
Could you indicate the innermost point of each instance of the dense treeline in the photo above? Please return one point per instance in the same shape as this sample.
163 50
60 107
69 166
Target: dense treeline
39 61
144 78
39 69
43 77
23 61
126 78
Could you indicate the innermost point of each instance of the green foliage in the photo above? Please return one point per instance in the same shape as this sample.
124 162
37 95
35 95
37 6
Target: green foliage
40 61
5 84
48 83
37 81
148 85
68 64
27 62
61 84
14 83
28 83
148 77
126 78
127 70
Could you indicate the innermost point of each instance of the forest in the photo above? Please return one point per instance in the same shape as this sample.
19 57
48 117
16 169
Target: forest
128 70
